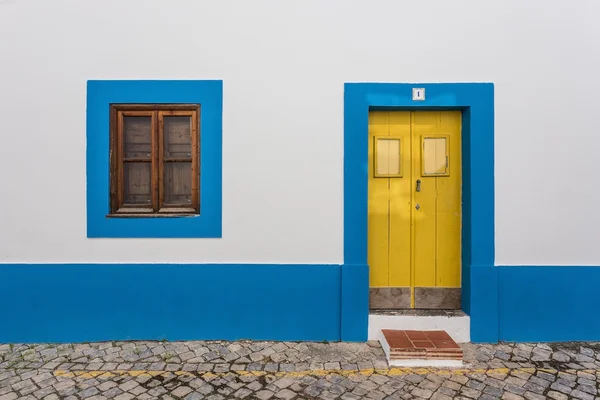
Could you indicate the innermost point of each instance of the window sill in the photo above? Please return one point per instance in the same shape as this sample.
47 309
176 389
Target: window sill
151 215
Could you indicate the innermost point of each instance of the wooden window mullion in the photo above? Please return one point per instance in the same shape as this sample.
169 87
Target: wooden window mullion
195 163
120 162
155 161
114 195
161 157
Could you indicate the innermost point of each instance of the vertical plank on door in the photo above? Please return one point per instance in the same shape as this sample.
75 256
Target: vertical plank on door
424 219
400 209
378 225
448 232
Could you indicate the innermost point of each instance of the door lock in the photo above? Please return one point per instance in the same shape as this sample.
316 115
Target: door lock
417 207
418 185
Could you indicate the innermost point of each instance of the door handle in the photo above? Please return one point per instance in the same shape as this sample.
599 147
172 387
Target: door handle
418 185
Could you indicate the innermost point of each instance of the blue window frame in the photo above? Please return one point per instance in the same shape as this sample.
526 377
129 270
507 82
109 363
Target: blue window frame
100 94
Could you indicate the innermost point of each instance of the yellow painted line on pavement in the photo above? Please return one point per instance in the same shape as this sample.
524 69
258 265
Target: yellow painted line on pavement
394 371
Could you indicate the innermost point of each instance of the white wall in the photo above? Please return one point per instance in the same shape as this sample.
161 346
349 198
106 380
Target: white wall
284 64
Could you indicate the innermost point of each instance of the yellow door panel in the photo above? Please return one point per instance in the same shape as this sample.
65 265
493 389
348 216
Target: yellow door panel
378 209
414 222
448 235
448 250
424 253
400 209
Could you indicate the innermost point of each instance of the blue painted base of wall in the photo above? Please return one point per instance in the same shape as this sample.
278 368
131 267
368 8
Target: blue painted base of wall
482 307
533 303
549 304
95 302
355 303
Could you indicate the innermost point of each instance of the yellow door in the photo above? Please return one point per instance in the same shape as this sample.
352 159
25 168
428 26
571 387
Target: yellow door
414 209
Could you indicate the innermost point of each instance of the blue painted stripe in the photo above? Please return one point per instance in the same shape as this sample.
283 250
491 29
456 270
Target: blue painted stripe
482 292
355 303
549 303
534 303
94 302
91 302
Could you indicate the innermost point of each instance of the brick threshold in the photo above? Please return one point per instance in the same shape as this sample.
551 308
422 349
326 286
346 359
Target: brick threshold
421 348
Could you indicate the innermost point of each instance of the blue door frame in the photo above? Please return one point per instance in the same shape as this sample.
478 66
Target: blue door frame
476 101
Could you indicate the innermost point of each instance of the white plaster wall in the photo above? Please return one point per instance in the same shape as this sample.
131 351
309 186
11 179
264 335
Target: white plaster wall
284 64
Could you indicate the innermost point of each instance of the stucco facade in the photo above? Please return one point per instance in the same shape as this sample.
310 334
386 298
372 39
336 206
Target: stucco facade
287 85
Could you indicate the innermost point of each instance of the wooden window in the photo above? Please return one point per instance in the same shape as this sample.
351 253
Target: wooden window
154 160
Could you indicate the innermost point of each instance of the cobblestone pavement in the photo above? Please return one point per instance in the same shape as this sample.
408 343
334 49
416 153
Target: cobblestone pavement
286 371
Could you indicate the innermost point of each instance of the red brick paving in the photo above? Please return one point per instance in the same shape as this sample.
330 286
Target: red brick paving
433 345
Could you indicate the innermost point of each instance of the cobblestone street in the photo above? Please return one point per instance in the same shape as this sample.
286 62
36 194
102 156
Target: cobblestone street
278 370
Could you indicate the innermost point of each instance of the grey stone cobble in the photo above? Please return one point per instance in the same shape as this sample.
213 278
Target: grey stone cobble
559 387
581 395
557 396
290 371
511 396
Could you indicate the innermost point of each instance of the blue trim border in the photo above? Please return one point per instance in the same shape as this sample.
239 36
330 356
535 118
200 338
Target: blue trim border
97 302
548 303
100 94
476 101
355 303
